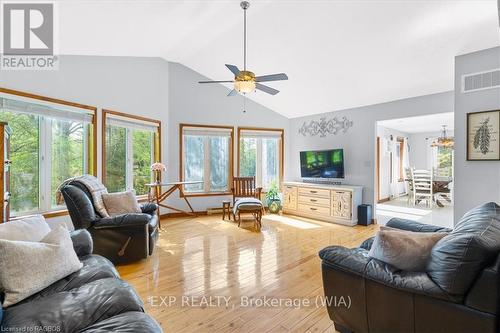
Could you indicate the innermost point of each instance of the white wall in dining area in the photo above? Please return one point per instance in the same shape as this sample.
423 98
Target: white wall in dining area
420 152
476 182
385 135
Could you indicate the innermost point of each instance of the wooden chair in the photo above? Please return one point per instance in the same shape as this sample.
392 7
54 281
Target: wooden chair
245 187
443 192
422 186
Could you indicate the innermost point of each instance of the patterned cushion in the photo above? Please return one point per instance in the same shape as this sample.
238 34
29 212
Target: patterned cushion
247 204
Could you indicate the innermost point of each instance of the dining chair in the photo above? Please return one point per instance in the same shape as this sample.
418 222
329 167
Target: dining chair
422 186
443 190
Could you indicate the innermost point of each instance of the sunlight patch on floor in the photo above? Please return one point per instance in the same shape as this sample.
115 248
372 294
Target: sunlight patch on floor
388 213
405 210
292 222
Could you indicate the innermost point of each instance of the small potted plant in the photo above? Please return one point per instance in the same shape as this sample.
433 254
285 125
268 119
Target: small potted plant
157 168
273 198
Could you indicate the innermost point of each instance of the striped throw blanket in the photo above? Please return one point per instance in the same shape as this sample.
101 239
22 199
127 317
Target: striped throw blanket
94 186
247 204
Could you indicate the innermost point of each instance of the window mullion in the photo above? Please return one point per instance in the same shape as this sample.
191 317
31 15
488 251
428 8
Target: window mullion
258 161
129 155
206 163
45 163
85 136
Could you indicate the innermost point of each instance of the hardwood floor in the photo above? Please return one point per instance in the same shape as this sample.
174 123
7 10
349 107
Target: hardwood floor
205 257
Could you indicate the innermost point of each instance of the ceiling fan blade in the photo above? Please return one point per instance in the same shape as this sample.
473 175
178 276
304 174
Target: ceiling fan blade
215 81
233 69
272 77
232 92
266 89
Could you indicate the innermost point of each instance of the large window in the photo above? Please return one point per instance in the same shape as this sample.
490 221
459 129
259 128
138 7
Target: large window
130 145
51 141
261 155
206 157
442 161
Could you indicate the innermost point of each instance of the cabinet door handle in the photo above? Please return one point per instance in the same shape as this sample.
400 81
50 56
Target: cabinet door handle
313 200
312 208
314 191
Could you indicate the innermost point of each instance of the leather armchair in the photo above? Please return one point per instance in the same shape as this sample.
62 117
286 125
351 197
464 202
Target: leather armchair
121 239
381 298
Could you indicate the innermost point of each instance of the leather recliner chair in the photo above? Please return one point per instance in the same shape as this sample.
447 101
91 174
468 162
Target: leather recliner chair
458 292
121 239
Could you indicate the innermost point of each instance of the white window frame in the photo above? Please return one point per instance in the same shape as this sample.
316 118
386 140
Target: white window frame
45 164
432 156
259 135
56 110
204 131
130 122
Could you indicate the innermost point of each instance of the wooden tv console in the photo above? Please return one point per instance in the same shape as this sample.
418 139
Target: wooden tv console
325 202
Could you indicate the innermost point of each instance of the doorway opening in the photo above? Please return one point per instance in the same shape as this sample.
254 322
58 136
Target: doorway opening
414 169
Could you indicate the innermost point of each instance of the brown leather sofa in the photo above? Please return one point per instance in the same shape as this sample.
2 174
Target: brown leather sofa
458 292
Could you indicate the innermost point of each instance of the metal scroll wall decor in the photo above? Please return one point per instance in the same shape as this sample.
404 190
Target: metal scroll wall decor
325 126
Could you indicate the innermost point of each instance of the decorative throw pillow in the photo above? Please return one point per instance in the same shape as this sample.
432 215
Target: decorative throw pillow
28 267
31 229
121 203
406 250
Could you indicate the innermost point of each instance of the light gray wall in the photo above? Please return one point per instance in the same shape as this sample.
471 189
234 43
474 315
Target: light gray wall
193 103
476 182
151 87
126 84
385 162
359 142
419 148
168 91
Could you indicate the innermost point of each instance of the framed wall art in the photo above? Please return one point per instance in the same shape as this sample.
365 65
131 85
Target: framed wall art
483 136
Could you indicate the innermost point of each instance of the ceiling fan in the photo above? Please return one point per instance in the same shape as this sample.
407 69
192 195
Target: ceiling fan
246 81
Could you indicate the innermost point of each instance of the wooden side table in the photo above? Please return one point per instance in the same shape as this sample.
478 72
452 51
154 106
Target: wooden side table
226 209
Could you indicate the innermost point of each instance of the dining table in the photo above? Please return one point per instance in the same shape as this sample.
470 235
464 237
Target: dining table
440 184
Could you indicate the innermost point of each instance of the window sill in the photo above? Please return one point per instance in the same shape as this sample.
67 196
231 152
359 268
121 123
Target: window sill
63 212
203 194
47 215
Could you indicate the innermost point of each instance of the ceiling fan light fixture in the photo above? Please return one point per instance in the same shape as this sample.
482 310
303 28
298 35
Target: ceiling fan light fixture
245 81
244 86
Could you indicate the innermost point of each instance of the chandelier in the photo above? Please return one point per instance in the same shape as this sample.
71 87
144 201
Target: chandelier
444 140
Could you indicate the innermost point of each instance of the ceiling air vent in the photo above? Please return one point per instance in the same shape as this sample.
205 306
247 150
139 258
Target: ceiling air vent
481 80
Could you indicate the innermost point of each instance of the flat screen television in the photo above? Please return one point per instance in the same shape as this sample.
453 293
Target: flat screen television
322 163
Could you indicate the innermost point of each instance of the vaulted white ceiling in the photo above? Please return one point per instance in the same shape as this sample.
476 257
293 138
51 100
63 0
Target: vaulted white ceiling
338 54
